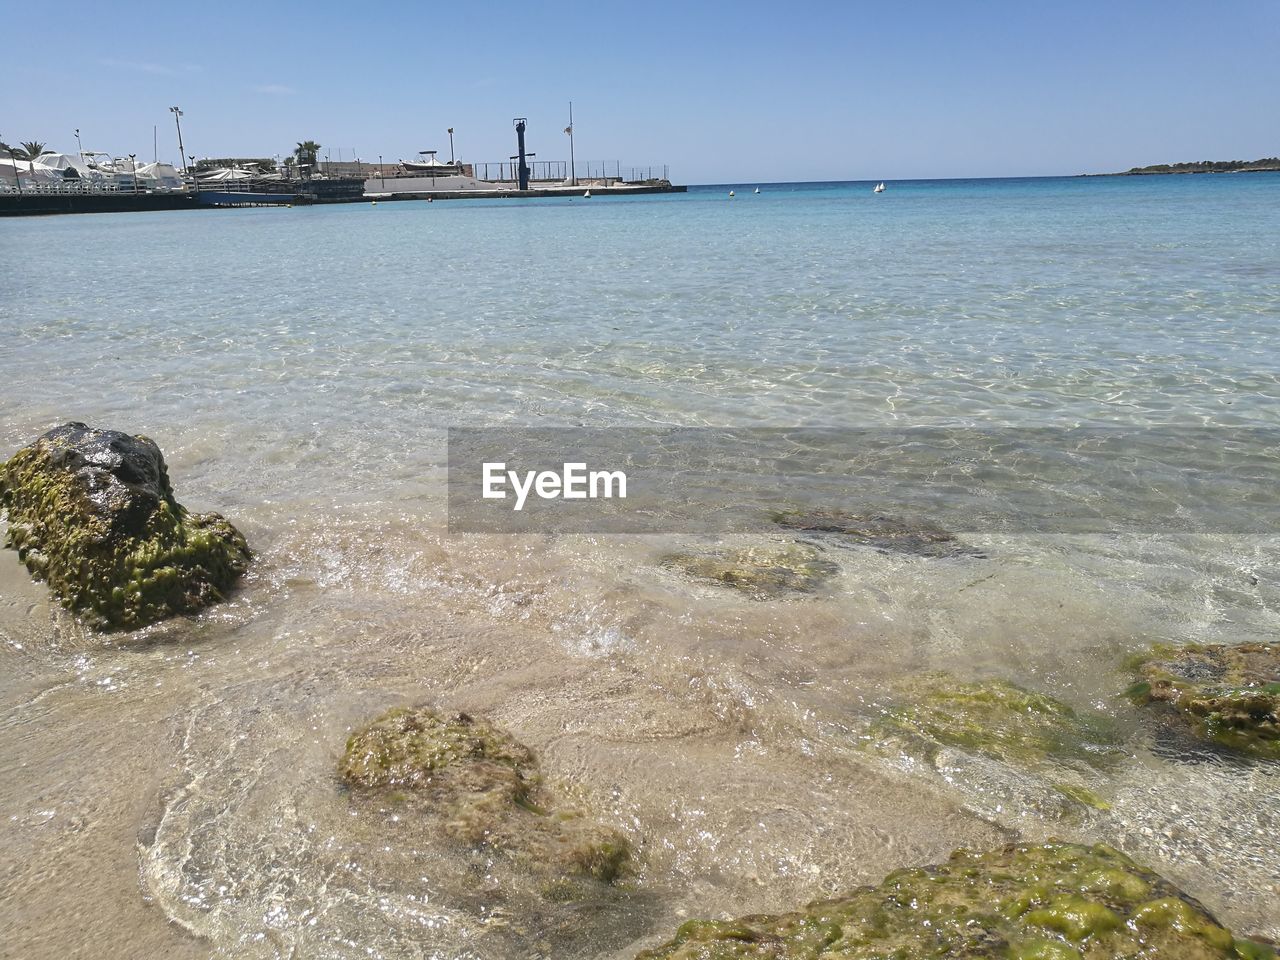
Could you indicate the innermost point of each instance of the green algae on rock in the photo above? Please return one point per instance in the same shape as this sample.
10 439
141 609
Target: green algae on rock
1229 695
1054 901
998 719
887 534
486 788
92 512
761 572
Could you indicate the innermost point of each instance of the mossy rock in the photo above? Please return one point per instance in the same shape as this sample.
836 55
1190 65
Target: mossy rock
888 534
998 719
484 787
760 572
92 513
1053 901
1227 695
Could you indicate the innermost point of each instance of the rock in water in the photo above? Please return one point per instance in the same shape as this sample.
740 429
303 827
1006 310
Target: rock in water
91 511
1046 902
761 572
1228 695
998 719
887 534
996 741
485 788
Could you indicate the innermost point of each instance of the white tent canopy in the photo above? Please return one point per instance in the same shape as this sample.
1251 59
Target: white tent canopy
11 169
30 171
59 163
64 170
163 176
225 174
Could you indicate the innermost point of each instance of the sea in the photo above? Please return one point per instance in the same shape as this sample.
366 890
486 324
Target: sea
1079 377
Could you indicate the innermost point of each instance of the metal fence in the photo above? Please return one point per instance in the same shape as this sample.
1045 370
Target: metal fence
507 170
558 171
642 172
80 187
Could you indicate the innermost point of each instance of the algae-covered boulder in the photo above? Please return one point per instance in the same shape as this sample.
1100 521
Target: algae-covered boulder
763 572
998 719
92 512
1045 902
485 789
887 534
1228 695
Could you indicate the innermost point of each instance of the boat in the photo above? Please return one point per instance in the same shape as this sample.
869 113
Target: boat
879 188
432 166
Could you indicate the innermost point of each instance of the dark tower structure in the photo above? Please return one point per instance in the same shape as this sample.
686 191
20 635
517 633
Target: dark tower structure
522 172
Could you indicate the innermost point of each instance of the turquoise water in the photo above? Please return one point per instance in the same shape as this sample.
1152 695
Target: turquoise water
299 368
1085 300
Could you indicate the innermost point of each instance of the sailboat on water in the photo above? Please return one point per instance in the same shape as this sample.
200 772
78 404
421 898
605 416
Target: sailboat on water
879 188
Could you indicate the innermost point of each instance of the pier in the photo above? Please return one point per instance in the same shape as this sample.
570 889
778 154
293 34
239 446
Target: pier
310 192
32 204
468 188
65 183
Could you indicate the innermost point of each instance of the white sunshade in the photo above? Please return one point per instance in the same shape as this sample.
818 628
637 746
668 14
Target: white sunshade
223 174
59 162
11 168
159 170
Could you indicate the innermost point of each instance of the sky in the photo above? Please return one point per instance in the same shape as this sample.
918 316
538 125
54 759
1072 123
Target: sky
719 92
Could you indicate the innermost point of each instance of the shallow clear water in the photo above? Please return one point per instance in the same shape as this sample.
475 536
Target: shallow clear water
299 368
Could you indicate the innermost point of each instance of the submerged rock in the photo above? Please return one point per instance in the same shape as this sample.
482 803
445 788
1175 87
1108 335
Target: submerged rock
998 719
1044 902
887 534
762 572
1228 695
92 512
485 787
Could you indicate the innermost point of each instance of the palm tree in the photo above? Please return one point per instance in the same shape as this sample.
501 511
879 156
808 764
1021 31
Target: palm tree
307 153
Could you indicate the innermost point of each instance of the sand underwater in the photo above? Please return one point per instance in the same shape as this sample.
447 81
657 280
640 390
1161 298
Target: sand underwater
758 719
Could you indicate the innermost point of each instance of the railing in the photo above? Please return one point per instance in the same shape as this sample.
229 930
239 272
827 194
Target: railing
507 170
641 173
82 187
558 170
253 185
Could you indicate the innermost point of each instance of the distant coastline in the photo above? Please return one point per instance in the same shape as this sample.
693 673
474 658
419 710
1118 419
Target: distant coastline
1265 165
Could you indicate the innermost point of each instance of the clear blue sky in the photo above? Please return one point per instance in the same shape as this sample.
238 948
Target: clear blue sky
737 91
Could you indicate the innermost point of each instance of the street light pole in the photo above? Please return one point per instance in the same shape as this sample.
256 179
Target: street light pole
17 179
451 160
182 152
79 145
573 173
133 167
194 179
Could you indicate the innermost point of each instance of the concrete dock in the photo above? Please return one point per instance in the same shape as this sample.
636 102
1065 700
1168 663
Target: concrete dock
618 190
